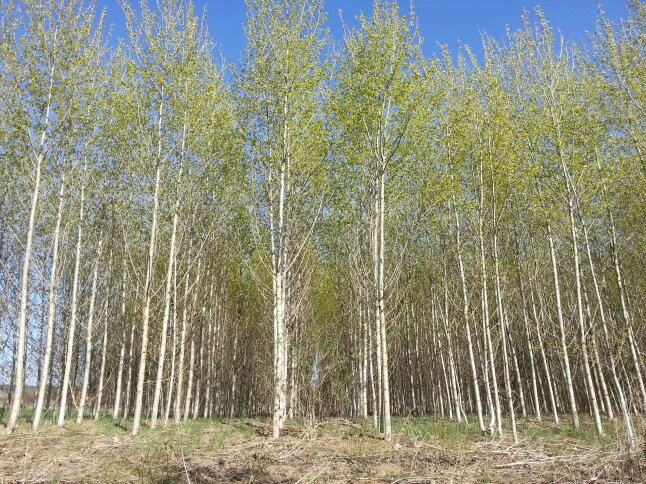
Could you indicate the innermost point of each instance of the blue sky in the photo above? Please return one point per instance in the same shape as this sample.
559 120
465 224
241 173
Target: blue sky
444 21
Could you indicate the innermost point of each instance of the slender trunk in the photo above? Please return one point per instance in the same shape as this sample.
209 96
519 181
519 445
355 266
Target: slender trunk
147 302
449 346
375 305
373 387
198 382
126 409
88 339
502 319
409 360
365 330
53 284
447 385
548 374
149 277
530 346
597 358
466 316
73 309
104 348
182 348
189 383
117 392
564 346
191 373
579 305
20 360
519 380
489 350
164 331
278 276
387 429
16 400
206 412
171 379
634 352
234 379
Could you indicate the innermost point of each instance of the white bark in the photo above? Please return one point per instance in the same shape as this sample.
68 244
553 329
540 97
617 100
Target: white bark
502 321
126 408
385 386
489 350
173 353
16 401
104 350
14 411
466 316
53 283
546 368
182 349
117 392
167 297
189 383
564 346
139 396
279 279
634 352
88 338
579 306
149 276
72 326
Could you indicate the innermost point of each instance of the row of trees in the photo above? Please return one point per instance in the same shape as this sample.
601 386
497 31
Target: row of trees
452 235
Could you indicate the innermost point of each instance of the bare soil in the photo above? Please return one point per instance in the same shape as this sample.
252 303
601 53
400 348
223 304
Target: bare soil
332 451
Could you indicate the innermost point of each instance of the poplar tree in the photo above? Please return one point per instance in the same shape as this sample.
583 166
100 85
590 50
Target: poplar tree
177 83
377 95
50 54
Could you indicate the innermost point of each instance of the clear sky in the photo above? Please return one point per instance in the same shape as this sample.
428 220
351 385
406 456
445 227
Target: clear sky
444 21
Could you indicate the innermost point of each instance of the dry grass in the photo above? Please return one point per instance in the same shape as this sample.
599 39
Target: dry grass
422 450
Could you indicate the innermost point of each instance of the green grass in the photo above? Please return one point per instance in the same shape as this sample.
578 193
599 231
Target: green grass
449 433
441 432
429 428
565 433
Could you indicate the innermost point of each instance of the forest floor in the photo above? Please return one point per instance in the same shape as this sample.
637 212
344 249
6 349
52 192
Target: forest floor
423 449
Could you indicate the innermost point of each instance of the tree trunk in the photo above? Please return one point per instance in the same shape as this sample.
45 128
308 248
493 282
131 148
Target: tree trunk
579 306
88 339
164 331
387 428
16 400
104 349
117 392
502 320
182 349
171 379
72 326
466 316
53 285
147 301
564 346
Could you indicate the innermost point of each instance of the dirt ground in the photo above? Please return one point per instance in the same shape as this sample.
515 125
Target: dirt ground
332 451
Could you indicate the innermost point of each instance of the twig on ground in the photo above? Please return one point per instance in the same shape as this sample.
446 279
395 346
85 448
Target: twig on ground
313 478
